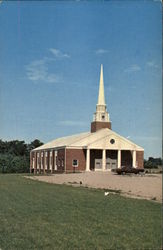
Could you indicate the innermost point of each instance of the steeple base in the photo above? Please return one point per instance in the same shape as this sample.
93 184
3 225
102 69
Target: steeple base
99 125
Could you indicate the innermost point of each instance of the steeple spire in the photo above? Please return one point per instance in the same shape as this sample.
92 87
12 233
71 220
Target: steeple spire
101 116
101 96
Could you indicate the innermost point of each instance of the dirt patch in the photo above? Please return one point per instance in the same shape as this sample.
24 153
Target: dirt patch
137 186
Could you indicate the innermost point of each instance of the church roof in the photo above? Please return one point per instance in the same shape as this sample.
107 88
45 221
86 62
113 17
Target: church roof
101 139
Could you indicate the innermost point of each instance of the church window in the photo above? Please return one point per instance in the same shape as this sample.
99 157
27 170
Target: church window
112 141
75 163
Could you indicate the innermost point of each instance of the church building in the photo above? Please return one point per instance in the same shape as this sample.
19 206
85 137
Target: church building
101 149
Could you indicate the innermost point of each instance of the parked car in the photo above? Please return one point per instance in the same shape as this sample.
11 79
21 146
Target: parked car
129 170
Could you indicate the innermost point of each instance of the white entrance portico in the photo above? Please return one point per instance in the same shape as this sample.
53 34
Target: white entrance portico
102 154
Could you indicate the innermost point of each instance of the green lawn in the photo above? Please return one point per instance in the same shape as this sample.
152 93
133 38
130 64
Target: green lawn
37 215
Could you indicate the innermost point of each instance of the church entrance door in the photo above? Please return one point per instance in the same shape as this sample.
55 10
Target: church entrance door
111 163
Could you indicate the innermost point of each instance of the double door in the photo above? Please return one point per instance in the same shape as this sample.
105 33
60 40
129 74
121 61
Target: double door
110 163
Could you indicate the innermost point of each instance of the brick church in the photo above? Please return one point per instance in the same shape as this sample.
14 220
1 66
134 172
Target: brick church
101 149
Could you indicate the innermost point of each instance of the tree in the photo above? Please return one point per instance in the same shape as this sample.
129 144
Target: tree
14 155
34 144
153 162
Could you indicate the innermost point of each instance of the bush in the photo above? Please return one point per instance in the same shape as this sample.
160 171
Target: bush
152 162
10 163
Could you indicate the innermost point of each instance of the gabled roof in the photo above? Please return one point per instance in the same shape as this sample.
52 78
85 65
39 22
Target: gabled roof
97 140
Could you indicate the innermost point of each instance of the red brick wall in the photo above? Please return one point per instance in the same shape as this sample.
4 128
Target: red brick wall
140 159
75 154
80 155
99 125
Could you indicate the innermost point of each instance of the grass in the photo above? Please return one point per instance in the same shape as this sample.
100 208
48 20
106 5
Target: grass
37 215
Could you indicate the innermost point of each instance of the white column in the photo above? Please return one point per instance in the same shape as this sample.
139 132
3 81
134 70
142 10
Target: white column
33 162
50 159
88 160
55 162
103 159
42 160
119 158
37 162
134 158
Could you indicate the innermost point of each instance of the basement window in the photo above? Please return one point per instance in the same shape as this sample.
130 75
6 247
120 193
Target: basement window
75 163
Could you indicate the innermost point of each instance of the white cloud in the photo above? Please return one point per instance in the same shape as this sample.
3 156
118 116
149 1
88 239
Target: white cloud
101 51
72 123
58 54
152 64
38 71
133 68
53 78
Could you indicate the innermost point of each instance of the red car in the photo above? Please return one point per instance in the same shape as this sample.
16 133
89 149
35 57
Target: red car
129 170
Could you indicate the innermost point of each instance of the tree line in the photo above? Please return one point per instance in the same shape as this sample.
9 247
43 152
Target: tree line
153 162
15 155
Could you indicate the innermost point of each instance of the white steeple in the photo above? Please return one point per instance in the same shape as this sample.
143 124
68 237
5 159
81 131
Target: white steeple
101 114
101 97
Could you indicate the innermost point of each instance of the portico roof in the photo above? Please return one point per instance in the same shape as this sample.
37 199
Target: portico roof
102 139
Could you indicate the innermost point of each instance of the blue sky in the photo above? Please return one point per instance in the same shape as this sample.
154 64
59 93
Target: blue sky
50 60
